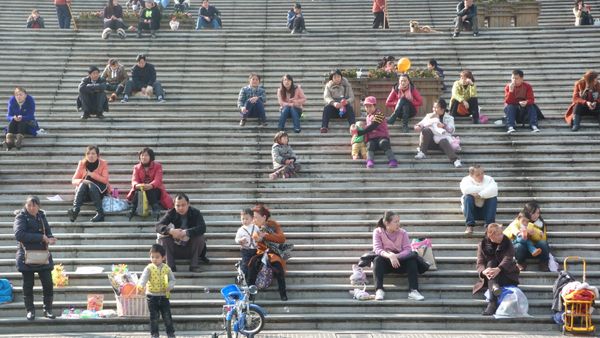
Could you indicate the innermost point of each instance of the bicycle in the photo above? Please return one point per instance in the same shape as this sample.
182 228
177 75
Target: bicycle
240 315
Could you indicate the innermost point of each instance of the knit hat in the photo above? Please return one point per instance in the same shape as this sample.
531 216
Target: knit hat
370 100
92 69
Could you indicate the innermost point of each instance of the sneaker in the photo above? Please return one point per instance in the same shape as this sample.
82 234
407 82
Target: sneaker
161 99
393 164
106 33
297 131
510 130
420 155
455 35
242 122
490 309
535 129
125 99
522 266
476 34
121 33
457 164
379 294
323 130
370 164
469 230
536 252
293 31
263 124
415 295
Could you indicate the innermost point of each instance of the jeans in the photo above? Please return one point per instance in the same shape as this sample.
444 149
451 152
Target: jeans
379 20
294 112
164 3
383 266
405 109
487 212
246 254
160 306
512 110
375 144
330 112
522 251
64 16
115 87
203 23
47 287
256 109
132 85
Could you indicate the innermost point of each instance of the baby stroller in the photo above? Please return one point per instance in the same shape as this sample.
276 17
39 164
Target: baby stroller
576 304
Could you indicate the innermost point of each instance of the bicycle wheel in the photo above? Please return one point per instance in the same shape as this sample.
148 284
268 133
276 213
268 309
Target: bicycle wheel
254 323
229 325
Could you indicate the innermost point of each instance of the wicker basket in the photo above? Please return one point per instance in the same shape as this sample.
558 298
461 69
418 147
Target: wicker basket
132 306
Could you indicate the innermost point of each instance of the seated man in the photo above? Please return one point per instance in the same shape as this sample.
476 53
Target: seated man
92 99
181 233
208 15
149 18
116 78
295 19
143 77
466 18
519 100
479 198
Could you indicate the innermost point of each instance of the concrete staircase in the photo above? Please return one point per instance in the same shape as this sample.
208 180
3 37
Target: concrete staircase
330 210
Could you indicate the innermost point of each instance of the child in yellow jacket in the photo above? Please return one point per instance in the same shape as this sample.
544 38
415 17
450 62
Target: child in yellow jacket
524 232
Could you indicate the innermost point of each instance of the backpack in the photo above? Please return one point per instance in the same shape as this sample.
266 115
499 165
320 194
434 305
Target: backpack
6 291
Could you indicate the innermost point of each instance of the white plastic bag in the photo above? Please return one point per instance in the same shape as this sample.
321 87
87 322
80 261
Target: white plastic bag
111 204
514 304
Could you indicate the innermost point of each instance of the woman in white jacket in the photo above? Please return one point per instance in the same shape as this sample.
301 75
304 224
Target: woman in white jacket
479 198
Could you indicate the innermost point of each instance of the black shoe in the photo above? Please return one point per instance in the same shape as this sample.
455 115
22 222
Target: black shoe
194 269
130 214
84 116
476 34
100 116
156 211
30 315
49 315
99 217
455 35
575 127
405 128
490 309
73 213
205 260
283 296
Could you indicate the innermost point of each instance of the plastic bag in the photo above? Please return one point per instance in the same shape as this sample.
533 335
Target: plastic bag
142 204
513 303
95 302
111 204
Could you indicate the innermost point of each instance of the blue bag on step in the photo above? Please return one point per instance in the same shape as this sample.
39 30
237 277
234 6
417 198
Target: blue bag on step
6 291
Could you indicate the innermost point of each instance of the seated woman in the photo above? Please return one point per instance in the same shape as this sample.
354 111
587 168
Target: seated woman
377 133
464 97
251 101
436 130
405 99
91 182
528 233
338 96
291 99
586 100
148 176
113 20
21 118
394 254
582 12
269 235
495 265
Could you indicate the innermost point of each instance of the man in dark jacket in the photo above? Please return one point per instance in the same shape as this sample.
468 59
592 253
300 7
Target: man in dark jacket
208 16
143 77
92 99
181 233
466 18
149 18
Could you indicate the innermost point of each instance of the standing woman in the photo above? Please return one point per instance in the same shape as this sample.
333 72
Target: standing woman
269 233
91 182
148 176
21 118
394 254
33 232
464 97
291 100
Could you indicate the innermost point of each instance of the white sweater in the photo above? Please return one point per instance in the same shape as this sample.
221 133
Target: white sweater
486 189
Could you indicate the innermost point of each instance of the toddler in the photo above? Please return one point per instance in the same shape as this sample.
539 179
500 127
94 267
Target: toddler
174 24
524 238
244 238
158 281
284 158
359 147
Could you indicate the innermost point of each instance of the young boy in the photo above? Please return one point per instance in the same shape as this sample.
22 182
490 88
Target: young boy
158 281
359 147
244 238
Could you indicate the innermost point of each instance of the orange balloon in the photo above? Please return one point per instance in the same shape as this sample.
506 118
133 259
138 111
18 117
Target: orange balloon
403 65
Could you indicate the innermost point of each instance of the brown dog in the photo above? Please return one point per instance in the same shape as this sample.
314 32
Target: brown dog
415 28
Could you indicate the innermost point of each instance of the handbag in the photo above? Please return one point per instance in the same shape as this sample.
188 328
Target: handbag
265 274
37 257
424 249
366 259
283 250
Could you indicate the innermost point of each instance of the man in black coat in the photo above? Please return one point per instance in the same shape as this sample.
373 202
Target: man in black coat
92 100
143 78
181 233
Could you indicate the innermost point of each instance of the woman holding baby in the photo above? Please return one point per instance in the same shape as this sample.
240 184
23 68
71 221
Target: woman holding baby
436 130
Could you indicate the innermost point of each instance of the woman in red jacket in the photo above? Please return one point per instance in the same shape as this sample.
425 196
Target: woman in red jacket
586 100
148 175
91 180
405 99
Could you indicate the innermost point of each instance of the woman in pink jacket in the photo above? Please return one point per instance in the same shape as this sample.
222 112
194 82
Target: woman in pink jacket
148 175
405 99
91 182
291 101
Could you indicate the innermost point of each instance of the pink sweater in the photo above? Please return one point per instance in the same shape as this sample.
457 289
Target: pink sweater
397 242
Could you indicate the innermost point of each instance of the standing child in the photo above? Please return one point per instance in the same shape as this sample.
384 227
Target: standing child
284 159
244 237
158 281
251 101
359 147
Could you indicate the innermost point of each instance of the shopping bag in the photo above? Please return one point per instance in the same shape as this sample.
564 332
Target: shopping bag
424 249
142 204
